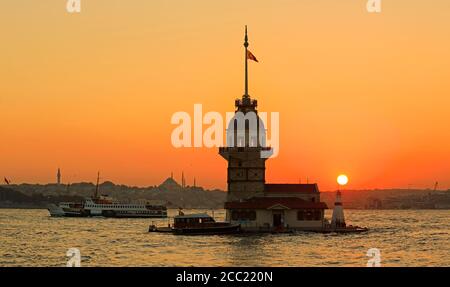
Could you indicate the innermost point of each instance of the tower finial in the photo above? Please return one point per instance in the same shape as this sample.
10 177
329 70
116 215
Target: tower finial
246 38
246 63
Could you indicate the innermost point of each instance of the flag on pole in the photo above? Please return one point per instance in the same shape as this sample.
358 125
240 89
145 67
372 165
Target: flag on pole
6 180
250 56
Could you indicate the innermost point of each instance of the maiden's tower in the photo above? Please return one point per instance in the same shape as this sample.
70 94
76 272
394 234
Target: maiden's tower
252 202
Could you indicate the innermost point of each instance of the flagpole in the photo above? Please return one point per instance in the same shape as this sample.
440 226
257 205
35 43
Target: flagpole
246 63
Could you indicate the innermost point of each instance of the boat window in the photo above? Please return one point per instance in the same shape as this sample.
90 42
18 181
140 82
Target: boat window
208 219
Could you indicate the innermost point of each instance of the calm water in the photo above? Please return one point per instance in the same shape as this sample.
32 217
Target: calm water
405 238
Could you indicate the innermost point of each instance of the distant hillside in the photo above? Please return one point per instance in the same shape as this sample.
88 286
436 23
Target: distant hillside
169 192
174 195
391 199
11 198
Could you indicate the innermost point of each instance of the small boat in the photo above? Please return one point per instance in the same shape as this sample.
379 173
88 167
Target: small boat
197 224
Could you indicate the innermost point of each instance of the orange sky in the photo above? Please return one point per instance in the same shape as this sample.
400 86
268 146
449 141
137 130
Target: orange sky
363 94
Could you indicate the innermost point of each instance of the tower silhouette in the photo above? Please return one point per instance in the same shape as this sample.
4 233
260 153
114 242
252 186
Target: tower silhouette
245 141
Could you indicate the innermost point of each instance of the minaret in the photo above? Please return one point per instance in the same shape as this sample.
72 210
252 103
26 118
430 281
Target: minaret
243 151
58 177
338 219
182 179
97 185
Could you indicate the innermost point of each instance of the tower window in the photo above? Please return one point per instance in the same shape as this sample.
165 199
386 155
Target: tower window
309 215
243 215
300 215
317 215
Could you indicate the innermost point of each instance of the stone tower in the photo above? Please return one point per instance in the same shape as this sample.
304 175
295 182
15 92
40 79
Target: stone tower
245 150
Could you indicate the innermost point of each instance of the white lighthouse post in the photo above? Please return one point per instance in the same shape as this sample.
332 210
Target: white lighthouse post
338 219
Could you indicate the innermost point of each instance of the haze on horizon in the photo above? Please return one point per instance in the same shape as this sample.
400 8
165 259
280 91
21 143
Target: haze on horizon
362 94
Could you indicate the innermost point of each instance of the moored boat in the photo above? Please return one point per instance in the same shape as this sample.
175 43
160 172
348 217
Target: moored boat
197 224
104 206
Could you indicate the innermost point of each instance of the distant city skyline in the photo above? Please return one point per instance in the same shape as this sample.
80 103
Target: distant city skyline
192 181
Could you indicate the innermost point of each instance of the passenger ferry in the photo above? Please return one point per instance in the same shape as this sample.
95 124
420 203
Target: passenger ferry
107 207
104 206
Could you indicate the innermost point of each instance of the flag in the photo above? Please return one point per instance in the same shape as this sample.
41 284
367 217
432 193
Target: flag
7 181
250 56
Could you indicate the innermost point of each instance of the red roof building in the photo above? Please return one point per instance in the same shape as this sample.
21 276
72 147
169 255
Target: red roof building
291 188
275 202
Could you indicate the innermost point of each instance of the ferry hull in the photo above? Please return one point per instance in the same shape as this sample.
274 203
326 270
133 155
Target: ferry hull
58 211
62 211
114 214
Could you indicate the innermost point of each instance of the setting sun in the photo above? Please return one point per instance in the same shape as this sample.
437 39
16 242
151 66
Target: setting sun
342 179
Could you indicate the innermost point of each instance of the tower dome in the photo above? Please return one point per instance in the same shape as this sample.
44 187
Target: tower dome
246 129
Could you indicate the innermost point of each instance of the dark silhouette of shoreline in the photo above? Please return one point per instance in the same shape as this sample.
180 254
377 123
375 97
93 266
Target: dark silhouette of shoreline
169 192
175 195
